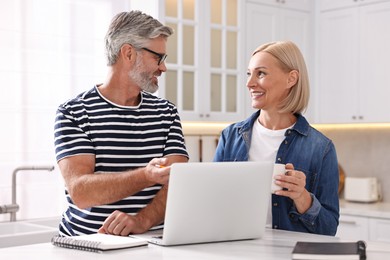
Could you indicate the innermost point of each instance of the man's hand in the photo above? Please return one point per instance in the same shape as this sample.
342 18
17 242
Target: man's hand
122 224
157 171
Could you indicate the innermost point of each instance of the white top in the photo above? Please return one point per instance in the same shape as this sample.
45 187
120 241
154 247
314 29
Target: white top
264 147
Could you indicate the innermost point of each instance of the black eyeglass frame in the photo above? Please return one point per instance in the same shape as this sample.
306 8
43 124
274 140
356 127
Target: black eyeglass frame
162 57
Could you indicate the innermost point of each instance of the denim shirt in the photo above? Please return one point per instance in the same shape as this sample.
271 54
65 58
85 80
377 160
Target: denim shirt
310 152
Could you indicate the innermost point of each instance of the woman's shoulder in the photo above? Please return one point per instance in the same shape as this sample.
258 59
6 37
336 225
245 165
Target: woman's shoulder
310 131
318 134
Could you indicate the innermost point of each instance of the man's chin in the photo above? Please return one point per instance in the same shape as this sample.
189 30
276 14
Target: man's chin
151 89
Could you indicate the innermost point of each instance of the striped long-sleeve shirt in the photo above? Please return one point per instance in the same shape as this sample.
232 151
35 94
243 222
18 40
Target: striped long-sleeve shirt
121 138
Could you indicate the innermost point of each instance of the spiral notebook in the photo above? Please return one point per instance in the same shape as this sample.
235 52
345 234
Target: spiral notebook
98 242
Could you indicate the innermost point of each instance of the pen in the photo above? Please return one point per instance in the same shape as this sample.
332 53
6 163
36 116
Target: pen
159 166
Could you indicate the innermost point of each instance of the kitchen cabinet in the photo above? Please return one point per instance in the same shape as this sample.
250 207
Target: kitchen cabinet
366 221
364 228
353 80
266 22
379 230
353 227
205 76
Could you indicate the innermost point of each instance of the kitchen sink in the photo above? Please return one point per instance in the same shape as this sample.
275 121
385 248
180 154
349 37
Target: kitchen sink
28 232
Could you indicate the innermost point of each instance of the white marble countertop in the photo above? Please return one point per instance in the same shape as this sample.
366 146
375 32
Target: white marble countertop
275 244
375 210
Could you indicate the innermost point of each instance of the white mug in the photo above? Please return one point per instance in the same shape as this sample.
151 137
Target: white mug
279 169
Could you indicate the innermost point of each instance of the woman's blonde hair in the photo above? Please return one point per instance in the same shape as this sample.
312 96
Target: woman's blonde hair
290 58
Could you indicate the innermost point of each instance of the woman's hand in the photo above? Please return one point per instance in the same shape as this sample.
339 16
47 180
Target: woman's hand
293 184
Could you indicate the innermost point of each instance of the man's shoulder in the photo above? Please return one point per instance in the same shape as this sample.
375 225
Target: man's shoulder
88 96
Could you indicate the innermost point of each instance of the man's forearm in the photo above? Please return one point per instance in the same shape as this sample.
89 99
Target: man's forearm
154 213
99 189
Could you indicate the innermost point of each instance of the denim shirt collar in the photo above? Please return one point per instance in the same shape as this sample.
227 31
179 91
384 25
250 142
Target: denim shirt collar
301 126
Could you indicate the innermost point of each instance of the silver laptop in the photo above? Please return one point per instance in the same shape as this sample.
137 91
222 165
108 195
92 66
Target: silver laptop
216 201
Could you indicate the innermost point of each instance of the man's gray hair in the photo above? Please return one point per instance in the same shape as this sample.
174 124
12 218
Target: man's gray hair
135 28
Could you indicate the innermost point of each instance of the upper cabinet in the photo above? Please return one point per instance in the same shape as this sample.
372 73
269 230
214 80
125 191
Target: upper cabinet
274 20
353 78
205 76
344 42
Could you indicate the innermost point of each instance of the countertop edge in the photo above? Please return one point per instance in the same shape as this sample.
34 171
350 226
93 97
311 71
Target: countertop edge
375 210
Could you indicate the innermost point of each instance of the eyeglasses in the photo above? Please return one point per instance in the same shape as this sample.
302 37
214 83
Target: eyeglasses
162 57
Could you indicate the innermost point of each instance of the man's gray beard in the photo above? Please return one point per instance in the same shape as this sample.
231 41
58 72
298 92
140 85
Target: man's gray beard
141 78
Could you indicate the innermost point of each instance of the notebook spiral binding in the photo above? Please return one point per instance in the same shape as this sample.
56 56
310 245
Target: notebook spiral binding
67 242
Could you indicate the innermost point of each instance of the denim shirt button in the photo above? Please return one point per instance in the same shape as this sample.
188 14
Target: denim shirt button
279 159
275 204
276 226
285 142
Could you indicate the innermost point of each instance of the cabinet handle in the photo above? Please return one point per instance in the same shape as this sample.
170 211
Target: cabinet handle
354 117
361 117
349 222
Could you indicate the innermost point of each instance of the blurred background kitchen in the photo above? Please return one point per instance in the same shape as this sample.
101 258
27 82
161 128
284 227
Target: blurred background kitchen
51 50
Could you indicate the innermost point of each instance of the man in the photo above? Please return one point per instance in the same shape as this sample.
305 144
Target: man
115 142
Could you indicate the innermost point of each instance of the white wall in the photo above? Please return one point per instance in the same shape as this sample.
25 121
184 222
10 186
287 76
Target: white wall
50 51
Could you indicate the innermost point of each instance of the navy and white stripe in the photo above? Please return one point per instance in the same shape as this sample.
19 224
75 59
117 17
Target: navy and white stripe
121 138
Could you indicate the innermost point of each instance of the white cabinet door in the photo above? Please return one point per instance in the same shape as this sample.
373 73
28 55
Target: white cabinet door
353 227
379 230
374 54
353 78
265 23
338 79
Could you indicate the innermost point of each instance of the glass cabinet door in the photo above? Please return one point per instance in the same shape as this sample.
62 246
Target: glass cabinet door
204 77
182 54
224 69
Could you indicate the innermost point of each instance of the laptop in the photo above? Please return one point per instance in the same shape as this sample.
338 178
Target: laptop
216 201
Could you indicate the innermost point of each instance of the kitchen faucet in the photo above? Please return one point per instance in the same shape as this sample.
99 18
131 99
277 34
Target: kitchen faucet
14 207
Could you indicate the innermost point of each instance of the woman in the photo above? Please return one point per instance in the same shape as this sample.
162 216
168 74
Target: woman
279 88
